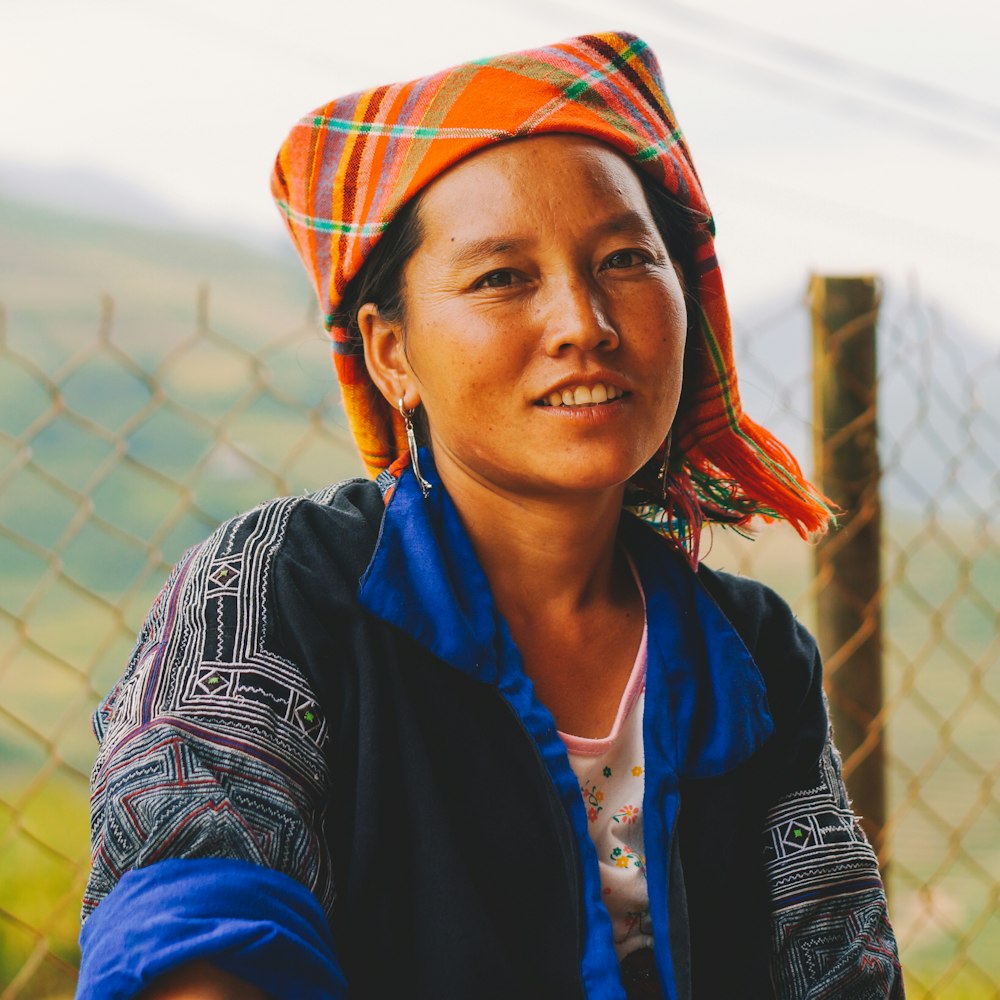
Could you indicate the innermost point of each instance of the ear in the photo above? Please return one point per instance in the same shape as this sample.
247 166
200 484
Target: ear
385 357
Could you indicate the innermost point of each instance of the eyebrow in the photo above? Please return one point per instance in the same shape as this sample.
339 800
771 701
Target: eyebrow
477 251
624 222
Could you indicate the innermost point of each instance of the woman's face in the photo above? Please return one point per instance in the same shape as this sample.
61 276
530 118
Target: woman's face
544 323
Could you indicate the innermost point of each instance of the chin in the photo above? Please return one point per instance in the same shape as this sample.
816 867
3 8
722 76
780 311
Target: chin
554 472
586 476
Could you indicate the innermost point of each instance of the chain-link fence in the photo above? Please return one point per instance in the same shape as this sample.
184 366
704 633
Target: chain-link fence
939 604
116 455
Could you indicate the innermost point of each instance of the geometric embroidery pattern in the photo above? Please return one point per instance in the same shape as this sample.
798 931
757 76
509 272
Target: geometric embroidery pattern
813 844
211 745
830 933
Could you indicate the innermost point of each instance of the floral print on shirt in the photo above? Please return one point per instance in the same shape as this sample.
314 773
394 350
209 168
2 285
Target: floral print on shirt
625 858
593 797
626 814
611 781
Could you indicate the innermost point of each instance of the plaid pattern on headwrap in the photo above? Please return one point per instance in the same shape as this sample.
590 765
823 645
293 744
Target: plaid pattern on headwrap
346 169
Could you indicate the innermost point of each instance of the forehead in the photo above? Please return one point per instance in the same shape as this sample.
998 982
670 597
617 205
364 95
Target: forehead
559 178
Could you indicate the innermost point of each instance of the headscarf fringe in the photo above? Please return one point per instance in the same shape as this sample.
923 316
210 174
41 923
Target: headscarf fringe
767 472
730 481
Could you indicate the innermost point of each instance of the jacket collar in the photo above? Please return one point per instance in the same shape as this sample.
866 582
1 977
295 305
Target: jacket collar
424 579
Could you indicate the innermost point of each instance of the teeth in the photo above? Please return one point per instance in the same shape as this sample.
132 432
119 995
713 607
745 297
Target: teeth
583 395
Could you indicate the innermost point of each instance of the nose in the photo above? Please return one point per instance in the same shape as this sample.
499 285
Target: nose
575 317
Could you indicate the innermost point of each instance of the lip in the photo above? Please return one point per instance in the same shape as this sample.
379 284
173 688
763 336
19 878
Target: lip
589 379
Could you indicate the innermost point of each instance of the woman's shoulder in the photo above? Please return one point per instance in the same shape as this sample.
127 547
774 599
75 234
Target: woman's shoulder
229 595
783 649
759 614
332 531
346 515
261 575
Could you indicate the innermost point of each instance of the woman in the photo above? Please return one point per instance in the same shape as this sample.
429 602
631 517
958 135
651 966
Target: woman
471 730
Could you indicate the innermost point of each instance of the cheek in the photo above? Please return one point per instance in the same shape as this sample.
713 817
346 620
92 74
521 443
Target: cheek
666 351
676 324
455 374
666 314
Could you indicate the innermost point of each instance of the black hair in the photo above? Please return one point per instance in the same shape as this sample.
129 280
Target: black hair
682 229
380 279
679 226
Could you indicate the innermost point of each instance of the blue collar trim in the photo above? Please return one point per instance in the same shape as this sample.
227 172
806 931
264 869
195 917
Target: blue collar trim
425 579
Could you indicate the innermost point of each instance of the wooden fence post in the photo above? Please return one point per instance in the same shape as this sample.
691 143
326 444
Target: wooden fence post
848 566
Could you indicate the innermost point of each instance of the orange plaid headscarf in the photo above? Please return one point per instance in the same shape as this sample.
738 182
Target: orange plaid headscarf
346 169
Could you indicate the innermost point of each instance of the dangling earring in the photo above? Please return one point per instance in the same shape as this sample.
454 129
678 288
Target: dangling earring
411 441
665 478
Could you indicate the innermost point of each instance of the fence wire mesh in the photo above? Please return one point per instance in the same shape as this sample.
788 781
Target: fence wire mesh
117 455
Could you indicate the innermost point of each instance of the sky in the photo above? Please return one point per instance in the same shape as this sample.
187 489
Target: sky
849 138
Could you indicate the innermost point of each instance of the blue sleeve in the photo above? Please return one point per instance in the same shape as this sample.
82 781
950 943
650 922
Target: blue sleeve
251 921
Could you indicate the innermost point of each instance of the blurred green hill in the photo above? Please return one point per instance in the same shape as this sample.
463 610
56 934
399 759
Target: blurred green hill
55 266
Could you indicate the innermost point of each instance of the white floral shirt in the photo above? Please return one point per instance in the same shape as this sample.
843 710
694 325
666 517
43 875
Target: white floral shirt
610 772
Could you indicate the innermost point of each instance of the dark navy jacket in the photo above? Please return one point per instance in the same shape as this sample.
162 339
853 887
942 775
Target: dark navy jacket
402 769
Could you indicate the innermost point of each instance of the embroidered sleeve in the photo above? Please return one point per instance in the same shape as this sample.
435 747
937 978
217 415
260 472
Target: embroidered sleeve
211 746
830 932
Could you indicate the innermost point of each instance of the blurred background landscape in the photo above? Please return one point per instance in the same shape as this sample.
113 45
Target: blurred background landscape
162 367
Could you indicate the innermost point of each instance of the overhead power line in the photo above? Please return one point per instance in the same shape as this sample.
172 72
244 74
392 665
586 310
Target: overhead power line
918 94
844 214
745 56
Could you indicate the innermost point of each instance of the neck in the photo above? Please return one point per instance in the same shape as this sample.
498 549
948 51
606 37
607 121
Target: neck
543 555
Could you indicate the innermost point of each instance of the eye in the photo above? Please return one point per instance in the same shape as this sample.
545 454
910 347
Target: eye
496 279
624 259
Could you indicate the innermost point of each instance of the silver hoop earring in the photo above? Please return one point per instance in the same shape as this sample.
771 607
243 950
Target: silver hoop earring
665 477
411 442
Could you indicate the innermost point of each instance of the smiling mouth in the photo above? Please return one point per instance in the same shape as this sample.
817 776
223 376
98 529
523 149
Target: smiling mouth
583 395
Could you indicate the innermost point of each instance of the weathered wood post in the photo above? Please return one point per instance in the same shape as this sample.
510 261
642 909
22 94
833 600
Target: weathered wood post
848 565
